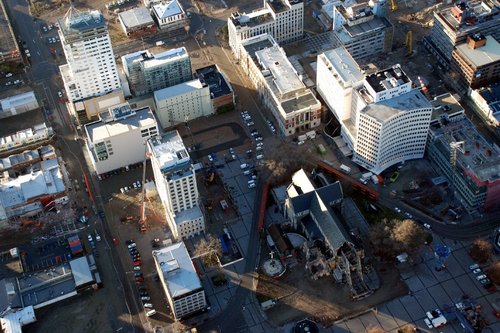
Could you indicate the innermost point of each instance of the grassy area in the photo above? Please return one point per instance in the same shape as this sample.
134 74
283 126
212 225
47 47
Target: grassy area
372 216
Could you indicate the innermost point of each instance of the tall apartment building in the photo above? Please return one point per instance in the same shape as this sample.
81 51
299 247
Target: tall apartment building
384 121
468 161
362 29
118 138
179 280
293 105
91 67
453 24
176 184
182 102
477 62
282 19
147 72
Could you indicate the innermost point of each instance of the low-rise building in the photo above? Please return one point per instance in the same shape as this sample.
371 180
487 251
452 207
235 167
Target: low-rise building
179 280
25 195
175 181
38 134
147 72
118 139
89 109
361 29
183 102
487 99
282 19
477 62
18 104
294 106
169 14
221 92
9 50
137 22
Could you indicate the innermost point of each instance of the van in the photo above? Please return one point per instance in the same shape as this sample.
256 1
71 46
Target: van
151 312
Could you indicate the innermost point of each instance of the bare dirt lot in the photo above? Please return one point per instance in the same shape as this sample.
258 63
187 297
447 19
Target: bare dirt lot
299 296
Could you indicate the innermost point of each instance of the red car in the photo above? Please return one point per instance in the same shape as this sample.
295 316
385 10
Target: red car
137 263
115 241
139 279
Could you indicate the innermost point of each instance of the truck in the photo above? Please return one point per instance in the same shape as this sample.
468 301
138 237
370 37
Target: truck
374 179
345 168
302 137
366 175
311 134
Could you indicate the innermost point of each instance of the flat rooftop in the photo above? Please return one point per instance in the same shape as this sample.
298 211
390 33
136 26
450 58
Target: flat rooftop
252 19
136 17
190 214
491 95
479 157
445 104
481 11
279 6
350 32
483 55
178 89
274 62
345 66
384 110
178 270
100 130
387 78
169 151
216 82
257 43
162 58
76 21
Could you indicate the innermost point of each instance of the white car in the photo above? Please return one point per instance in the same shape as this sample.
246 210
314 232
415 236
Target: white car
428 323
59 94
97 237
138 184
122 190
473 267
8 75
251 185
477 271
397 210
148 305
481 277
89 237
137 268
427 226
259 157
250 123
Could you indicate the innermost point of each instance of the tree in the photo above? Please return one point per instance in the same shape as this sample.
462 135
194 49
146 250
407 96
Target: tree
481 251
209 249
408 236
494 272
380 237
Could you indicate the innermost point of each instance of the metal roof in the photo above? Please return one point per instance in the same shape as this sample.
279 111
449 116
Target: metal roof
136 17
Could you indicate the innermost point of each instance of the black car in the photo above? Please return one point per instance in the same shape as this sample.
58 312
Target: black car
136 257
137 274
130 241
143 294
133 251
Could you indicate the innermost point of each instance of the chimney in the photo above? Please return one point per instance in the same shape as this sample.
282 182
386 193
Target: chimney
476 41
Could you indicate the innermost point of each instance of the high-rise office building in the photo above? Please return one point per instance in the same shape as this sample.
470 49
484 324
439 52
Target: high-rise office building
176 183
91 67
148 72
383 120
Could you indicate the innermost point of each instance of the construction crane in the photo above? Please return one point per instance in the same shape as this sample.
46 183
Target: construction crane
394 5
409 43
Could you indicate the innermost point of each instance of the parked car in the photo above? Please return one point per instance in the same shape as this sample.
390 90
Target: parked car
143 293
148 305
97 237
137 268
137 263
145 298
427 226
477 271
480 277
89 237
473 267
132 246
136 274
129 242
139 278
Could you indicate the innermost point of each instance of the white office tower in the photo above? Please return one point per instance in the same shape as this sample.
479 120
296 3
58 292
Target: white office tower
91 69
179 280
176 183
384 121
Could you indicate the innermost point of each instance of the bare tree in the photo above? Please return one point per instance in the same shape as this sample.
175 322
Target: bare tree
209 249
481 251
408 236
494 272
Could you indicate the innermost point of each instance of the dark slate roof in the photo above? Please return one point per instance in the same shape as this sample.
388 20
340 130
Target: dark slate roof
301 202
331 193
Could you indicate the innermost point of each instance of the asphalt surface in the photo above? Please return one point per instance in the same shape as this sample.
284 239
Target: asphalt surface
43 75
